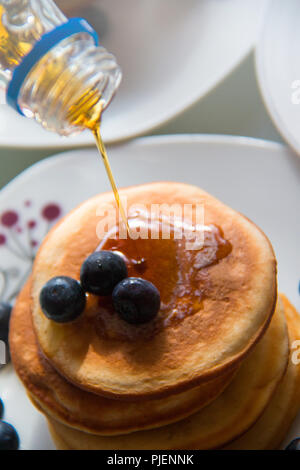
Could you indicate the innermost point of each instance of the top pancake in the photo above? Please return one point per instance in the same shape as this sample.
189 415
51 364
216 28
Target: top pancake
236 299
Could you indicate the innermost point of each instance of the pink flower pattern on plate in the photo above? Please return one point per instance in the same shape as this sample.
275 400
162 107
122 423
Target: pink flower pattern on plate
17 235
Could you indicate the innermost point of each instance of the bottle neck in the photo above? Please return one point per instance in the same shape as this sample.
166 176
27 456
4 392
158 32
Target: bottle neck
69 86
68 89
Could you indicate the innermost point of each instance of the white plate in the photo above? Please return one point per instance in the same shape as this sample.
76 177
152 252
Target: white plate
278 68
258 178
171 53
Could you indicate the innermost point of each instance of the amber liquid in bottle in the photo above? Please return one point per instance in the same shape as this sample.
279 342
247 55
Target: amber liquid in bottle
85 112
12 49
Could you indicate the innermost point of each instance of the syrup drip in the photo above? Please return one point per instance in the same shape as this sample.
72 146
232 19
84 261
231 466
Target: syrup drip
87 112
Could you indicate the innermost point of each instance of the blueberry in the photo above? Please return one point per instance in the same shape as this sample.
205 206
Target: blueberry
294 445
102 271
1 409
136 300
5 312
62 299
9 439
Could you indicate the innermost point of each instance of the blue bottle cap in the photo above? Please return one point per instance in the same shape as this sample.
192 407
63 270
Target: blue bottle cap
40 48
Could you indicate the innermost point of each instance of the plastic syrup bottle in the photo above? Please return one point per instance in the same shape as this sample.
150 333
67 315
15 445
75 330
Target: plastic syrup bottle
52 68
54 71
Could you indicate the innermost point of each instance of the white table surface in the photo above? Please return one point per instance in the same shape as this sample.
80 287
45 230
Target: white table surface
234 107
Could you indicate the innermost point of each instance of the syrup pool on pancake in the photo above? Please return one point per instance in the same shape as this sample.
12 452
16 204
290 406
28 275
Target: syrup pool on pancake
173 254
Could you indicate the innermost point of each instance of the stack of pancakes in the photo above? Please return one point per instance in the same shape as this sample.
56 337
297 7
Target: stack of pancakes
214 370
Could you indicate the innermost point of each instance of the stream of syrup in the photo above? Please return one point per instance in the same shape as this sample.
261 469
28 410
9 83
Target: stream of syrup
87 112
103 153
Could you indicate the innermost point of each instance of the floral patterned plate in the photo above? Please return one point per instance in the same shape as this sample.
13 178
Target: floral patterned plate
258 178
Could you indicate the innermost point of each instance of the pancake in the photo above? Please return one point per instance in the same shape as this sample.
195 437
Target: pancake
58 440
84 410
223 310
272 427
229 416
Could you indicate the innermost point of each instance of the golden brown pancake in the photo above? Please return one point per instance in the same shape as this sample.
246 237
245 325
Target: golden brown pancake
229 416
84 410
272 427
58 440
226 306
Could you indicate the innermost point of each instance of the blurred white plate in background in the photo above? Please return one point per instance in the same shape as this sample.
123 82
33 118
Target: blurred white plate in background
278 68
171 53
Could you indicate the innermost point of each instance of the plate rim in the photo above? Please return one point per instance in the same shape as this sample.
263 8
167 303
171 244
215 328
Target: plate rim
186 138
263 85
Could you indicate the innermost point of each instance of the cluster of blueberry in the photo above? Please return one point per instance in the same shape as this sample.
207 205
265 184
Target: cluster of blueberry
9 439
103 273
63 299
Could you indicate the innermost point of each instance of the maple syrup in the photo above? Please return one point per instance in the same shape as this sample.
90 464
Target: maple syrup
87 112
139 260
181 275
